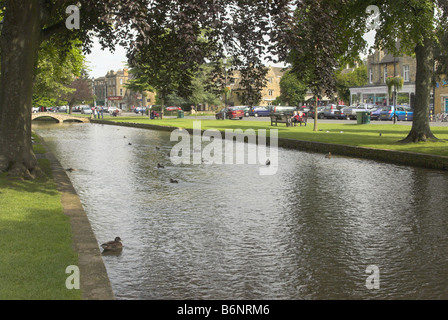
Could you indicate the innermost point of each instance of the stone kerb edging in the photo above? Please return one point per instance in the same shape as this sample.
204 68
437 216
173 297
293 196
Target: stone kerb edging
390 156
94 281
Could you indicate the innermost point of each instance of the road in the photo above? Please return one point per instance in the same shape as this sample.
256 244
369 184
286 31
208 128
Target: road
267 119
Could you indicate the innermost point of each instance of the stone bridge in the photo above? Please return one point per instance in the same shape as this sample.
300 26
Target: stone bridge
60 117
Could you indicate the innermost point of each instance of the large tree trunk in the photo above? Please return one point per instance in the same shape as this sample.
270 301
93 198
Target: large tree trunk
421 130
19 49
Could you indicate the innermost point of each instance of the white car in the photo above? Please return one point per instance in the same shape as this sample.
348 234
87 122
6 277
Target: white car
113 109
36 109
86 110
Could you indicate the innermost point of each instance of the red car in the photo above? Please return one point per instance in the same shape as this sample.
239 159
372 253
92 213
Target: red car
230 113
172 108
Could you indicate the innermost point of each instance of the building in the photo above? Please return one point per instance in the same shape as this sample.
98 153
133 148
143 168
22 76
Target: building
380 66
111 91
441 93
268 94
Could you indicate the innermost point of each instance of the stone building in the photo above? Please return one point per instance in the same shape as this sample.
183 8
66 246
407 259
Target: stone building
111 91
381 65
441 93
268 94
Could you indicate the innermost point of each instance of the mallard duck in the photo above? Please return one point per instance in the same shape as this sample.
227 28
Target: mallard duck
113 245
160 166
328 156
130 144
173 181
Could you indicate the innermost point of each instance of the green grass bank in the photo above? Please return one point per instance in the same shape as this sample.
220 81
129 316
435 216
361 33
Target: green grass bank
376 136
36 239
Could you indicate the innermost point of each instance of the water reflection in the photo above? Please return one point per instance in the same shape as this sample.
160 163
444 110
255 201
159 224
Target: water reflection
225 232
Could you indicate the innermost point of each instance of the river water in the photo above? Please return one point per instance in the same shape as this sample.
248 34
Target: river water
226 232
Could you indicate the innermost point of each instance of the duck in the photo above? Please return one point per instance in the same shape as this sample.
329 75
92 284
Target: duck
173 180
70 170
130 144
157 148
268 162
328 156
113 245
160 166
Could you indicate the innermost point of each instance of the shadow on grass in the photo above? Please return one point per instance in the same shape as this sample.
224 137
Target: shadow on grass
42 184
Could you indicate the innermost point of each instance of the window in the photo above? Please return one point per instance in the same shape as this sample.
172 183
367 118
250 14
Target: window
121 80
271 93
121 91
385 73
406 74
370 76
270 80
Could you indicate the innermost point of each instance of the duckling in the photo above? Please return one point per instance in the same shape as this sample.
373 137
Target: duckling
160 166
328 156
173 181
113 245
268 162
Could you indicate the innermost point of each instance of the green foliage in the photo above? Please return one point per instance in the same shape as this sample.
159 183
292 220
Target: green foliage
356 78
292 90
56 70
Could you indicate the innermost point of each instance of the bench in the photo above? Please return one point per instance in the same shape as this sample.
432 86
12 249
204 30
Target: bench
281 118
288 119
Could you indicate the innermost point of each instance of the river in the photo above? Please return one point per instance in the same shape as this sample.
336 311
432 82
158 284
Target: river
226 232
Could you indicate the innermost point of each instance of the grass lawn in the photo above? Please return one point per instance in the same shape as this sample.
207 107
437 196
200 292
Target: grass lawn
36 239
366 135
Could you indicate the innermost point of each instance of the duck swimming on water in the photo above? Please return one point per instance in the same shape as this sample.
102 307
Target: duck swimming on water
113 245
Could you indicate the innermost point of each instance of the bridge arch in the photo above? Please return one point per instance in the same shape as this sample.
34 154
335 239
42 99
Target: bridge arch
60 118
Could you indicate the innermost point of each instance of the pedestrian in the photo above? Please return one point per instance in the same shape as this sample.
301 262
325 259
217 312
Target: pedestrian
102 112
94 112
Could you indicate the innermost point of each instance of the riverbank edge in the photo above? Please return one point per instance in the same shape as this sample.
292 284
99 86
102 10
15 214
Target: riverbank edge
94 281
406 158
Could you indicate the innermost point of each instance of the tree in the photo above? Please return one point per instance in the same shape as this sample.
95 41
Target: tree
229 27
56 70
421 27
292 91
316 37
81 90
316 49
356 78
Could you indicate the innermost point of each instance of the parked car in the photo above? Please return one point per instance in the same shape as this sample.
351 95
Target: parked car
259 111
113 110
35 109
351 112
230 113
334 111
245 109
320 112
305 109
172 108
375 114
400 112
282 110
140 110
86 110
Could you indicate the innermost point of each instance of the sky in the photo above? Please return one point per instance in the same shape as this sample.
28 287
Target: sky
100 61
